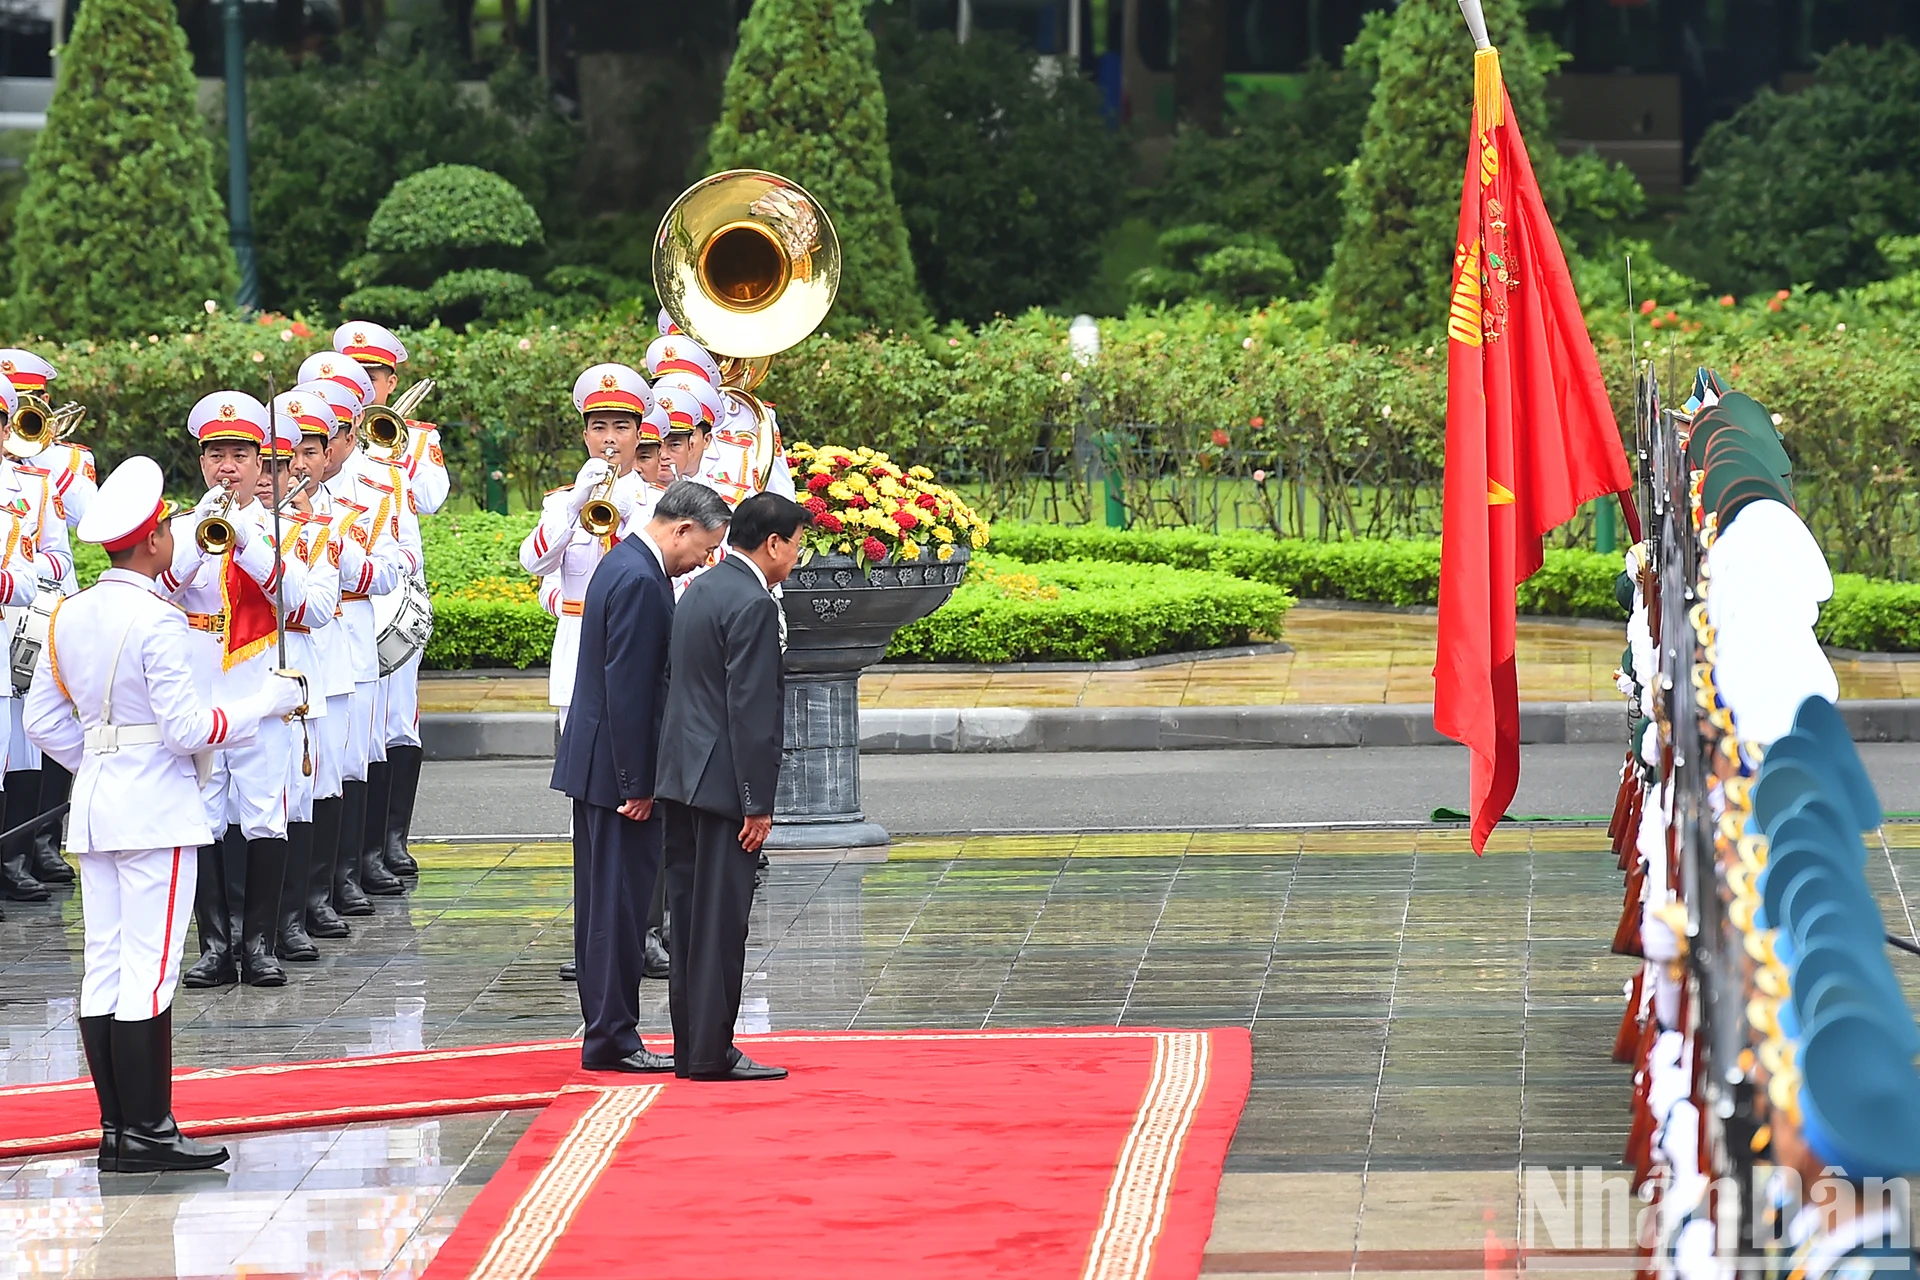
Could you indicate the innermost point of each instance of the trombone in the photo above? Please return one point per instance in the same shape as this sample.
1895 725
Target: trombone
383 428
599 516
747 263
214 534
37 426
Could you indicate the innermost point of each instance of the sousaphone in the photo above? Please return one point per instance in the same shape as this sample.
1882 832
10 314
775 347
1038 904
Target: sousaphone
747 264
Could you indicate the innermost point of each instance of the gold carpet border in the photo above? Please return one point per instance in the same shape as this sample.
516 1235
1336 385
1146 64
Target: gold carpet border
1136 1206
423 1108
547 1207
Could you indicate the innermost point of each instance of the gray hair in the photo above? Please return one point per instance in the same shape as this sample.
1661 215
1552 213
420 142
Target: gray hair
691 500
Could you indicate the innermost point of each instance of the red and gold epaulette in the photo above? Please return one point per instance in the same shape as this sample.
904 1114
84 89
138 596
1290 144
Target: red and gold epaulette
27 470
419 424
735 439
371 483
565 488
352 506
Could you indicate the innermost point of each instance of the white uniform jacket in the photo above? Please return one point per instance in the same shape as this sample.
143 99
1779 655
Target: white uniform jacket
308 538
381 547
27 492
425 468
74 482
333 663
196 582
727 467
563 555
144 794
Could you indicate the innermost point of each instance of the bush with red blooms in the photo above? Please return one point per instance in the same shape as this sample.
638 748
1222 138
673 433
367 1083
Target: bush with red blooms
866 507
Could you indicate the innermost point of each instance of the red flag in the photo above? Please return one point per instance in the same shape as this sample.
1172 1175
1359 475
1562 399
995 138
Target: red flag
1530 436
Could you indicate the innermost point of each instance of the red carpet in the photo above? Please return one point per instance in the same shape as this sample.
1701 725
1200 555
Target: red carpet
36 1119
1051 1155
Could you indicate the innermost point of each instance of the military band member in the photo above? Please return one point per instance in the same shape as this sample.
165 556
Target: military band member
69 467
26 494
422 473
229 597
303 415
615 404
726 465
333 679
122 700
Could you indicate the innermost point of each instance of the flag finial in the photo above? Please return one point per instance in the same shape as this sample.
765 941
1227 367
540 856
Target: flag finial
1476 23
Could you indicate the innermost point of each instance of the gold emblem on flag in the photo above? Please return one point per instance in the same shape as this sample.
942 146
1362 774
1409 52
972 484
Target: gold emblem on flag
1463 314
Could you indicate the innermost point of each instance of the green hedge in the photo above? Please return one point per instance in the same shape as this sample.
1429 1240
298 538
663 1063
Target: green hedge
1083 610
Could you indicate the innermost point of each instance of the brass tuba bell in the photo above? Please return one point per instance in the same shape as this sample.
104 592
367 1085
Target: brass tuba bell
37 426
747 264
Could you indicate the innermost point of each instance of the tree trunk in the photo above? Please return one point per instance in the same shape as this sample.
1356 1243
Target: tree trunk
1200 70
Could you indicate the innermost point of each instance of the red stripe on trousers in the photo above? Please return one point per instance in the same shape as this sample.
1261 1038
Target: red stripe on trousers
166 939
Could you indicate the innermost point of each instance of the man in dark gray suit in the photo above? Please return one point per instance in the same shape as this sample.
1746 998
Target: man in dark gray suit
606 763
719 765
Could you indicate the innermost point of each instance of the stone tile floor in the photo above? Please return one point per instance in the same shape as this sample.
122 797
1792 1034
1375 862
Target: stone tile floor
1424 1023
1340 656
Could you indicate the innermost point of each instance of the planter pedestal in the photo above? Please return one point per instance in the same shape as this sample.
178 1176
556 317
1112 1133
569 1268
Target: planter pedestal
838 624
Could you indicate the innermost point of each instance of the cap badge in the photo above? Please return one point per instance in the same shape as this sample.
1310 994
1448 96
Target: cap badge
608 382
665 403
6 366
359 338
229 410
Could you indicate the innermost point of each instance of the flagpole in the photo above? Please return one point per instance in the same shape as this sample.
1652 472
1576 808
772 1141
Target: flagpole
1476 23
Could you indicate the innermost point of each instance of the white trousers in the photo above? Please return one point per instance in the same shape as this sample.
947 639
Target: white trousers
403 705
299 782
248 785
135 906
21 754
365 723
330 746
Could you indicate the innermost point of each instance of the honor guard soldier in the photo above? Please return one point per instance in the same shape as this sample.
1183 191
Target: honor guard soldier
727 463
574 530
122 700
301 416
228 576
392 788
331 678
379 540
37 535
70 471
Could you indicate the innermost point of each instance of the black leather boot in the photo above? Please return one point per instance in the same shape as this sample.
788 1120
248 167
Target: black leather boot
403 764
266 877
215 967
96 1037
150 1141
290 939
21 803
375 879
45 862
348 900
322 920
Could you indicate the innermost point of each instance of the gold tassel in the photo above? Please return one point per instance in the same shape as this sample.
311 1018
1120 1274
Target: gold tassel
1488 110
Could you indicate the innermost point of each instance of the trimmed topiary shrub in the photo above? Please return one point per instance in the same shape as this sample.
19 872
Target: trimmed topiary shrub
120 227
452 208
803 99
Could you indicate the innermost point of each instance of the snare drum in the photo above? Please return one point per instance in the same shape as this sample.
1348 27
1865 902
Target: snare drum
27 628
402 624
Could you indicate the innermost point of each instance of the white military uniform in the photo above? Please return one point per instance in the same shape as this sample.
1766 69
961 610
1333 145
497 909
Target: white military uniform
120 699
562 554
26 492
69 467
375 554
305 538
330 678
247 784
728 466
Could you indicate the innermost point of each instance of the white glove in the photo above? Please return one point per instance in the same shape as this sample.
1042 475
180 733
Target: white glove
209 501
243 532
592 473
279 695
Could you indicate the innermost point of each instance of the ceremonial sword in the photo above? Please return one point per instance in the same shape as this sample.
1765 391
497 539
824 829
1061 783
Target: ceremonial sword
279 584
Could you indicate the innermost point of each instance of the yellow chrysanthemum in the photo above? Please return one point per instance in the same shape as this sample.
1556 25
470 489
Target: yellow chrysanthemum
920 473
942 533
909 550
944 553
978 537
819 469
839 491
857 482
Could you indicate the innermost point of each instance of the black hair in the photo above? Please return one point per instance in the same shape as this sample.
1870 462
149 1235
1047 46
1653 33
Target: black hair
208 444
764 514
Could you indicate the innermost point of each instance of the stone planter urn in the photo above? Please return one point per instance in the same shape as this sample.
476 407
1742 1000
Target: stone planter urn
839 621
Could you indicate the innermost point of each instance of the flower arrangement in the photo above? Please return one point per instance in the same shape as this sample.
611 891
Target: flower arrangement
865 506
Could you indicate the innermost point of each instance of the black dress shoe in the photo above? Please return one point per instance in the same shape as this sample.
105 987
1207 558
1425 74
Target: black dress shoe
656 963
567 972
213 969
743 1068
642 1062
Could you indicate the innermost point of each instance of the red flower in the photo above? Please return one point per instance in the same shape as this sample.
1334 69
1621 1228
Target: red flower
859 501
1773 304
830 522
1726 299
1220 437
300 330
817 505
1256 422
1646 308
926 502
873 548
906 519
816 483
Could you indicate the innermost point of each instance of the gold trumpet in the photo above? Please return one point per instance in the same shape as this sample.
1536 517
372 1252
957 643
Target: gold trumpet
214 534
599 516
383 428
746 263
37 426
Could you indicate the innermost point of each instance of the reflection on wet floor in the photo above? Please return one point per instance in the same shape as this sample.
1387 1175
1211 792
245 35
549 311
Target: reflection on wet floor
1423 1022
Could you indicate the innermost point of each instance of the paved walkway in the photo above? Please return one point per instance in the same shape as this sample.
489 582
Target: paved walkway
1340 656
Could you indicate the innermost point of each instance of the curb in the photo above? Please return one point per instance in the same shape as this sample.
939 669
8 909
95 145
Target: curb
940 730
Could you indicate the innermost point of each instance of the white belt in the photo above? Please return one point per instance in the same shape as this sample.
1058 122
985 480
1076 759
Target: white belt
105 739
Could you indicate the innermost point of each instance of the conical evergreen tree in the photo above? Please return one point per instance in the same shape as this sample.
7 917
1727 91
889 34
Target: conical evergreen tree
120 225
803 99
1402 198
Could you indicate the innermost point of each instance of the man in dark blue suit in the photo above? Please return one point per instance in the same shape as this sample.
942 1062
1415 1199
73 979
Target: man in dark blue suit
606 763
